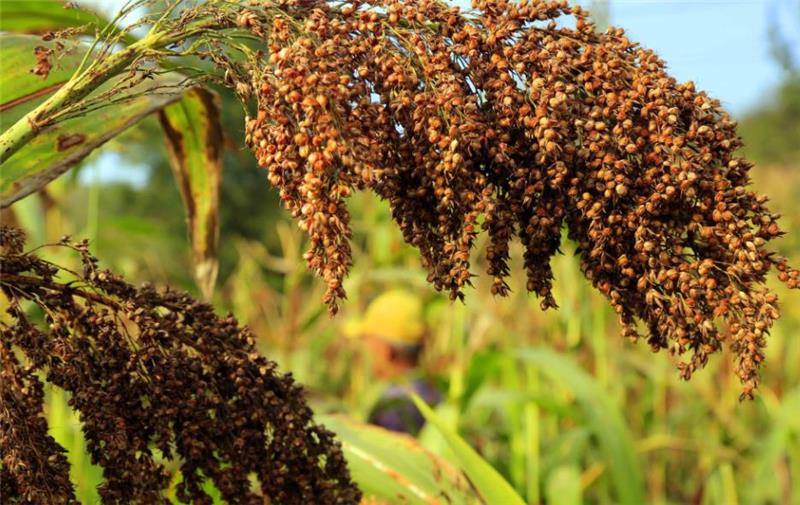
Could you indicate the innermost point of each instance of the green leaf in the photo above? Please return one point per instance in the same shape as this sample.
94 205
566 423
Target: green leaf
40 16
604 417
394 467
775 447
192 128
58 148
564 486
494 489
195 144
20 89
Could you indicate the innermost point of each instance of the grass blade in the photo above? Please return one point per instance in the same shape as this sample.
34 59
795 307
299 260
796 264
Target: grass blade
194 142
494 489
394 467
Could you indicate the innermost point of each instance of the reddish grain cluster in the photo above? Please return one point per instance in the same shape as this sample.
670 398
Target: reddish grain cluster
522 120
158 379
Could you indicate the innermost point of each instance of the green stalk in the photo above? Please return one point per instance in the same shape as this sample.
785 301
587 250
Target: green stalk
458 370
532 436
510 377
85 82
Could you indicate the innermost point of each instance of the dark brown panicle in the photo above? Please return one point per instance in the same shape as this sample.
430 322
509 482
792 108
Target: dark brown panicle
156 377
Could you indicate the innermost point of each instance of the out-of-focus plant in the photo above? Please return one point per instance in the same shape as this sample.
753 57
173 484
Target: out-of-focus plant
784 20
772 129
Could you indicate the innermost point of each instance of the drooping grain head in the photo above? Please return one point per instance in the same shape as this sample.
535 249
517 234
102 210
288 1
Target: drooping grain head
520 119
156 377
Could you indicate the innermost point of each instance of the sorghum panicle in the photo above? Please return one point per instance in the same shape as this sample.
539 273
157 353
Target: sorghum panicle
156 377
521 119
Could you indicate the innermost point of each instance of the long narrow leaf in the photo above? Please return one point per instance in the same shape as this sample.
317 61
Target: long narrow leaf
604 417
40 16
20 88
493 488
394 468
57 149
52 154
195 144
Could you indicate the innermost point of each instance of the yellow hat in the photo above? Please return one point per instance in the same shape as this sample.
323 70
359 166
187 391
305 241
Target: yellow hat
395 316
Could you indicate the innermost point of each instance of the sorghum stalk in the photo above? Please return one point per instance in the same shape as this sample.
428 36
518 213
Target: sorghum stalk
100 71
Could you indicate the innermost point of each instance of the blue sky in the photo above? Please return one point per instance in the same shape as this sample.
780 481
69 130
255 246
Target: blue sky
721 45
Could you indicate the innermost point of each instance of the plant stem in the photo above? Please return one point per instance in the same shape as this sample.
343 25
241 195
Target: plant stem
37 282
85 82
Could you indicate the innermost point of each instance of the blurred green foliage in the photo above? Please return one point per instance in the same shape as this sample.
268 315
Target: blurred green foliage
772 132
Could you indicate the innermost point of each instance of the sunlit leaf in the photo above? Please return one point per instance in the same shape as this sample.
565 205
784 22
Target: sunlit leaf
393 468
493 488
40 16
20 89
195 143
57 149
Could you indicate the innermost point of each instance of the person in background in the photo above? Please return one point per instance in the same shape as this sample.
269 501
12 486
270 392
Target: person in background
393 332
